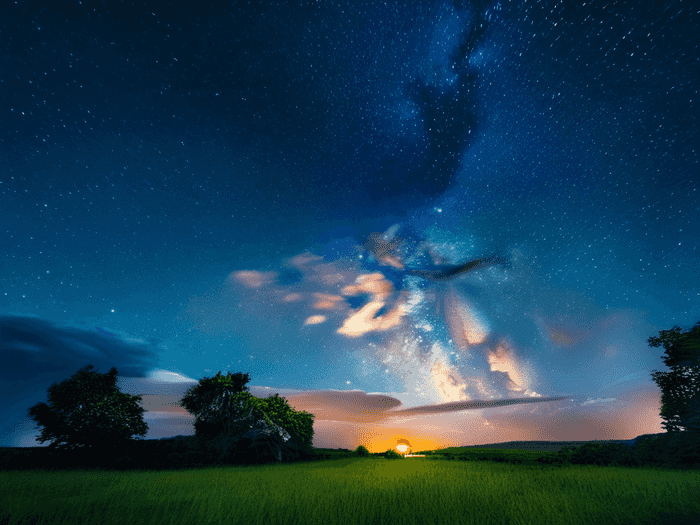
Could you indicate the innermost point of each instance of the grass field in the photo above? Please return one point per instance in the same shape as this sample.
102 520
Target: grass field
359 491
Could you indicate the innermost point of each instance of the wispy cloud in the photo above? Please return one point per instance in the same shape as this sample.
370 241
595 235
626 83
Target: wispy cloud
598 401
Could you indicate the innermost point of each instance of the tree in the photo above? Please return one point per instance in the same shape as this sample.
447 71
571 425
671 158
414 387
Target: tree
89 411
680 388
298 424
227 415
362 451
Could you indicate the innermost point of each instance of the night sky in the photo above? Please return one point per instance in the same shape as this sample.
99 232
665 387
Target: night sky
187 189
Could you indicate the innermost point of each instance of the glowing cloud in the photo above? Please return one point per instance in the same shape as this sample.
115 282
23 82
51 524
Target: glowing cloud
465 329
503 359
326 302
364 320
252 278
170 377
447 382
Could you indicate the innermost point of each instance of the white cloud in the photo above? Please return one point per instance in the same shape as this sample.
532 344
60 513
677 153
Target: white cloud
598 400
169 377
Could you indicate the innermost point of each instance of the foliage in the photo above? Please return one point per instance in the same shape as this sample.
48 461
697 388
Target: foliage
214 398
362 451
674 450
299 424
617 454
219 405
88 410
652 451
680 449
392 454
680 388
225 412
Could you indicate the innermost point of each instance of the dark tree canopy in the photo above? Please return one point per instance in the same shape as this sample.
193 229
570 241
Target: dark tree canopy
680 388
215 398
88 410
225 412
362 451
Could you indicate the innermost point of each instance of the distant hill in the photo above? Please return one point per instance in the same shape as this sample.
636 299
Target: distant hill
548 446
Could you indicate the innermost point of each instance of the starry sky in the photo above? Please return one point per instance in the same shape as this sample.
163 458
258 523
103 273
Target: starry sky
190 188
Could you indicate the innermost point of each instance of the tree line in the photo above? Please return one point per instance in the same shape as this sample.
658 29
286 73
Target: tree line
88 413
88 418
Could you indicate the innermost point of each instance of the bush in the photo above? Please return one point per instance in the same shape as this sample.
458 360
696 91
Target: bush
392 454
600 454
652 452
362 451
681 449
684 448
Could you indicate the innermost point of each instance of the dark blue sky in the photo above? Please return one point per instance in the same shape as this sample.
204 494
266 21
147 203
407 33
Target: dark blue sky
189 188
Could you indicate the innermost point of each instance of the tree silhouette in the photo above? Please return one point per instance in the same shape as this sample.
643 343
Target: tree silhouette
680 388
88 410
226 414
362 451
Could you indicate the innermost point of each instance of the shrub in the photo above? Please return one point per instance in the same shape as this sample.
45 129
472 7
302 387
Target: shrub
684 447
673 449
392 454
602 454
362 451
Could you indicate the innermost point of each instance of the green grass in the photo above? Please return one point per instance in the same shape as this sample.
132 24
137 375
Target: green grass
361 491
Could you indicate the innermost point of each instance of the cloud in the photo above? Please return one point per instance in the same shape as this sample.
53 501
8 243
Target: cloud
597 401
170 377
31 346
326 289
253 279
315 319
367 319
464 326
